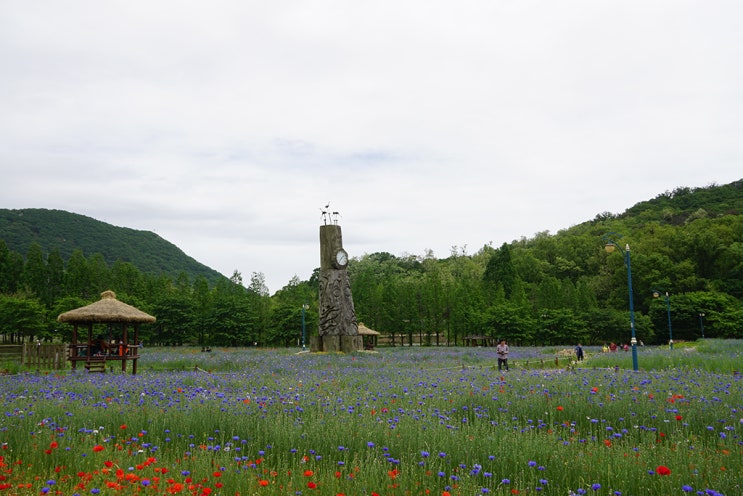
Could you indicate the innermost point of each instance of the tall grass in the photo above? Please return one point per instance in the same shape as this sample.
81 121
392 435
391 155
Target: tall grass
712 355
398 422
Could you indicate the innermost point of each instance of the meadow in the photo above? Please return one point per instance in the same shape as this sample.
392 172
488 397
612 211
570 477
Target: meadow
398 421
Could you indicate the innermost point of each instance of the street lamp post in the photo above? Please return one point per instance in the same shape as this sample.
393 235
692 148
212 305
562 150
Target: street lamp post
656 294
304 330
610 247
701 323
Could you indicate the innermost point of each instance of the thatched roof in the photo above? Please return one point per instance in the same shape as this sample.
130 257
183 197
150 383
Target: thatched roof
365 331
107 309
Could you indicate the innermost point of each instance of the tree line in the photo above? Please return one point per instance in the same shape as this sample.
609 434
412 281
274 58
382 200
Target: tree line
544 290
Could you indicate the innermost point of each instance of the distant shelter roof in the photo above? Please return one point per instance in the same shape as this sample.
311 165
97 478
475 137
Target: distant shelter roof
365 331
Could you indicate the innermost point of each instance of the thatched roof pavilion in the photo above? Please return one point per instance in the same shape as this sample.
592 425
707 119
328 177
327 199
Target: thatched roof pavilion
369 336
108 310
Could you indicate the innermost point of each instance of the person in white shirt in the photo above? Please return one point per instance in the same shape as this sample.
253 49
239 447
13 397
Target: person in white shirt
502 351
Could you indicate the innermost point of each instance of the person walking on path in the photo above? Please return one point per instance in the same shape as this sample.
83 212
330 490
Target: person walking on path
502 351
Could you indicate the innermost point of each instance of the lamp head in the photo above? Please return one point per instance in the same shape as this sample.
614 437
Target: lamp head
610 247
656 294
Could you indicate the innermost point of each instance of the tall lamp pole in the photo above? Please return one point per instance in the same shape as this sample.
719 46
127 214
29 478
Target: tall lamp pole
656 294
701 323
304 329
610 247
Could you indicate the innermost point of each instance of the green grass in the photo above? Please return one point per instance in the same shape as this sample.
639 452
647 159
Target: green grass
712 355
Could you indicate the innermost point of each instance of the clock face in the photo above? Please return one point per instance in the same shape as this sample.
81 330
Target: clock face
341 258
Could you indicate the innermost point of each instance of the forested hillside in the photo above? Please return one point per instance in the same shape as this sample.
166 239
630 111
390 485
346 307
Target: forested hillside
560 288
66 232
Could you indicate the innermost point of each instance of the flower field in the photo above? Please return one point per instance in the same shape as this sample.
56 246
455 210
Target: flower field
403 421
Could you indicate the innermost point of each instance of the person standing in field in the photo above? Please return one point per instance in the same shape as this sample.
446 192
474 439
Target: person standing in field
502 351
579 353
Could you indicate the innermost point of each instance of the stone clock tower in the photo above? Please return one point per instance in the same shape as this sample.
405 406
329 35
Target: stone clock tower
338 329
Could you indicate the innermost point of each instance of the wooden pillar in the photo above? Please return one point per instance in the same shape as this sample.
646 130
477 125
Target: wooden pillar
337 313
73 351
136 352
122 347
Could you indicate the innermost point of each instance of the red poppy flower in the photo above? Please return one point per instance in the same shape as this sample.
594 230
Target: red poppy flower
678 417
311 485
560 408
663 470
98 448
263 482
309 473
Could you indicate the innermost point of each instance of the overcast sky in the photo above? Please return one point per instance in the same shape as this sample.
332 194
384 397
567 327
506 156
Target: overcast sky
225 126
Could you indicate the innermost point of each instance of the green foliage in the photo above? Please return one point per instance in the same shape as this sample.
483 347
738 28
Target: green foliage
22 317
67 232
544 290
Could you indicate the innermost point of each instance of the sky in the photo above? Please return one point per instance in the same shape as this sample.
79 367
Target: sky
227 126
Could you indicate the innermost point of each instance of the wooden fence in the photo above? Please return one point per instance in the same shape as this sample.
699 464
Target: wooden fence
35 355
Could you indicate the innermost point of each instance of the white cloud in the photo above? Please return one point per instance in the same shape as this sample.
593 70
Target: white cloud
224 127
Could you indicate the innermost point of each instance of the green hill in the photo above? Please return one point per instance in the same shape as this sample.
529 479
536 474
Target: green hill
66 232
